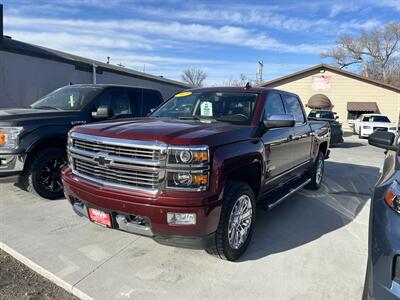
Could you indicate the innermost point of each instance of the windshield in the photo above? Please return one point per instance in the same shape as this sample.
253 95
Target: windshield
322 115
67 98
376 119
237 108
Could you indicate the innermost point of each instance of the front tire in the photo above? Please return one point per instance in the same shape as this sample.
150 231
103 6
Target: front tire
42 174
317 173
236 222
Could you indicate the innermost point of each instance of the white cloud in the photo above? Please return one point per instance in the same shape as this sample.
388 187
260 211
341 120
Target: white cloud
155 33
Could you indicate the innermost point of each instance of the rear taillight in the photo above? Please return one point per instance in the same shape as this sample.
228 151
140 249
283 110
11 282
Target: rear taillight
392 196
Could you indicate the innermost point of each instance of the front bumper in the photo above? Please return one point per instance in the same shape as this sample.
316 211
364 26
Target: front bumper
11 163
124 206
369 131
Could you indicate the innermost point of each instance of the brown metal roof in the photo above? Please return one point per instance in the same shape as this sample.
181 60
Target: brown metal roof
335 70
363 106
319 101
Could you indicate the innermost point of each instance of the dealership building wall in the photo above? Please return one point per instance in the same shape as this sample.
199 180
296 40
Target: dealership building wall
342 88
28 72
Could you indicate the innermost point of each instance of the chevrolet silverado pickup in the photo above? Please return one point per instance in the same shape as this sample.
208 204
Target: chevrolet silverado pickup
192 173
33 140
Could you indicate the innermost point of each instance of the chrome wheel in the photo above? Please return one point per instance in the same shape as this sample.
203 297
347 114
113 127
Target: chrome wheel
240 222
320 171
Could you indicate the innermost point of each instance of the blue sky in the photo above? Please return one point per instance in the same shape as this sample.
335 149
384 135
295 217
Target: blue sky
224 38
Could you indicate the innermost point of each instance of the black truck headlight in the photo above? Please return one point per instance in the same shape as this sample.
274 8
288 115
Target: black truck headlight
196 155
392 196
9 137
187 180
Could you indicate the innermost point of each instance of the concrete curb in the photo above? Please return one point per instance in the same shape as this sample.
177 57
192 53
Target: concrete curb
46 274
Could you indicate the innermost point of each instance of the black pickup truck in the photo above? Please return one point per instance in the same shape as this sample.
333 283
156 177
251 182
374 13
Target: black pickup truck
329 117
33 140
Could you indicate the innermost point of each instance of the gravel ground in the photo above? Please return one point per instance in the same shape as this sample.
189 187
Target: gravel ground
17 281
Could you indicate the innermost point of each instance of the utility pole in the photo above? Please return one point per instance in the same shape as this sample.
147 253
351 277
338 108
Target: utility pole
260 70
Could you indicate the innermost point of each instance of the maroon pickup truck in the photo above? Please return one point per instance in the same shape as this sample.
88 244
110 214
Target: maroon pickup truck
192 173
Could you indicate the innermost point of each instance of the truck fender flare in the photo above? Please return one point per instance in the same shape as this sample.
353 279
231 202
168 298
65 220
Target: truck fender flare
43 134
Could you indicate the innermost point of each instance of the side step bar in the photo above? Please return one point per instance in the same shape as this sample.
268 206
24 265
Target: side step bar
283 194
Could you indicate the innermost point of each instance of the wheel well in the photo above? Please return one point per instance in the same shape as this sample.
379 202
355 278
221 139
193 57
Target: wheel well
51 142
250 174
323 147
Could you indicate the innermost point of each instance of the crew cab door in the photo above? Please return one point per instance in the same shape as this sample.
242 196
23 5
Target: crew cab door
301 142
277 143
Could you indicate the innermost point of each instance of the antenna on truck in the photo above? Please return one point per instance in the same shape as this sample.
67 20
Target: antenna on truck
248 86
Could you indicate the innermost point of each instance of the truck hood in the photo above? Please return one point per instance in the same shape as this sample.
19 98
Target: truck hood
170 131
21 115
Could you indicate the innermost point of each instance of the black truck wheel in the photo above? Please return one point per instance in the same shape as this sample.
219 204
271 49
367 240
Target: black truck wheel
42 174
236 222
317 173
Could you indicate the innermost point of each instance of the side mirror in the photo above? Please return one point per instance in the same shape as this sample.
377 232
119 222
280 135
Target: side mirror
382 139
336 117
282 120
103 112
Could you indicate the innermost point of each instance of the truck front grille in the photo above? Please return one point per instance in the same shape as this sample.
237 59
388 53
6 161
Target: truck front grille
119 163
118 150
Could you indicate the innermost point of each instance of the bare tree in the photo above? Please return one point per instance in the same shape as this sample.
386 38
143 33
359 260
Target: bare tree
242 81
377 52
195 77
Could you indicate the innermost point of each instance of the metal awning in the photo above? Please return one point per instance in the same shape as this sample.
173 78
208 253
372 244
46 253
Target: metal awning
363 106
319 101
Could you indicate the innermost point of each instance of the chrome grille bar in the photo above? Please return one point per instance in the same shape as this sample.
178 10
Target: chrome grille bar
137 165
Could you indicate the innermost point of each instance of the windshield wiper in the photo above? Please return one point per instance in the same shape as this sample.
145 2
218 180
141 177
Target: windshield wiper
45 107
189 118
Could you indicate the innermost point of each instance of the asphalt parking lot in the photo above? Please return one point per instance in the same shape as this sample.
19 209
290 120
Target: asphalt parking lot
313 246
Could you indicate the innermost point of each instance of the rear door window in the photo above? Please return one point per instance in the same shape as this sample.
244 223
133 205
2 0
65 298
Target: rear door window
135 97
294 107
150 100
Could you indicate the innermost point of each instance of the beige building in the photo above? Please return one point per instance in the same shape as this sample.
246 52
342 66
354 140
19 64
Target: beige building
349 93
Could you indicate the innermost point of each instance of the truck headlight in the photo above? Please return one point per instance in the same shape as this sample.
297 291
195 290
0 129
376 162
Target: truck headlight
9 137
366 127
196 155
392 196
187 180
393 128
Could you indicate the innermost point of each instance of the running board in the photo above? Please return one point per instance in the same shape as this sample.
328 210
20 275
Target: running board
282 195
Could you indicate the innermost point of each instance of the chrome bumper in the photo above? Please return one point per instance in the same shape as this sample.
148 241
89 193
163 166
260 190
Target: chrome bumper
12 162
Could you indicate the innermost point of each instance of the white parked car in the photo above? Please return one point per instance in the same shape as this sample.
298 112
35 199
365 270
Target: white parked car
369 123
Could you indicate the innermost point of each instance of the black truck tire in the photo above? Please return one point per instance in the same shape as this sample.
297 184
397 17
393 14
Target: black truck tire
235 194
317 173
44 163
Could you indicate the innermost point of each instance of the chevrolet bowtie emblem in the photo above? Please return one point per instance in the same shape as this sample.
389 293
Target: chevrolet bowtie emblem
102 159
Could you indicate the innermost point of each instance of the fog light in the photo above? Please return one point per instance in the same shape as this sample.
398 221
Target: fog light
181 218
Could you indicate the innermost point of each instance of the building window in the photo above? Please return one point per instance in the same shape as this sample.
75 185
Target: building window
353 115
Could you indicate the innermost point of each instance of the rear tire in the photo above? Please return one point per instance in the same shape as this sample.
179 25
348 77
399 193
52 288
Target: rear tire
234 231
317 173
42 174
